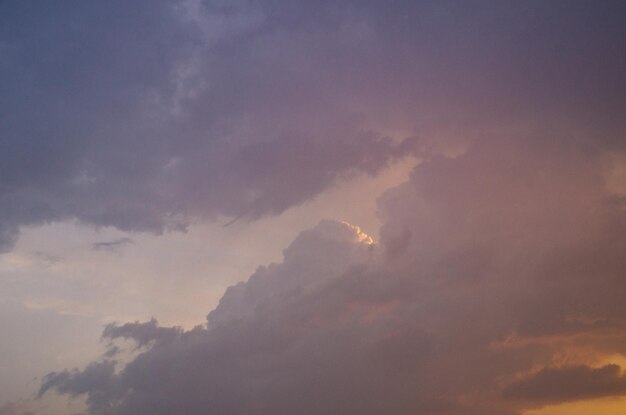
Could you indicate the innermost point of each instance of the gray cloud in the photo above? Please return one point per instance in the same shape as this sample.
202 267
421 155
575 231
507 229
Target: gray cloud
112 246
95 379
147 134
247 108
141 333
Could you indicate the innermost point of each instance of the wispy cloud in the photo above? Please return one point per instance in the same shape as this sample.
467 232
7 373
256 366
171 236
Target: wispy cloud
112 246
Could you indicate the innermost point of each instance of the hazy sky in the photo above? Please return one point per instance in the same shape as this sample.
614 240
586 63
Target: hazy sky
312 207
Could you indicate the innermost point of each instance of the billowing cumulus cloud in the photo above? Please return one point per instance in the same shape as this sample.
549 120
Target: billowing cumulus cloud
491 264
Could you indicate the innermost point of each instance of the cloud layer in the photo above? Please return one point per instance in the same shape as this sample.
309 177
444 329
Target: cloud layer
145 120
147 116
491 264
500 268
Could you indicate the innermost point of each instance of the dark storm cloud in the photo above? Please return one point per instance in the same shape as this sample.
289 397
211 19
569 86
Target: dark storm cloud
147 115
144 116
569 383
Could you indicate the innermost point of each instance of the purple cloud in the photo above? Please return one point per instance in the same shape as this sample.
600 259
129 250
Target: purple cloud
512 239
502 254
244 109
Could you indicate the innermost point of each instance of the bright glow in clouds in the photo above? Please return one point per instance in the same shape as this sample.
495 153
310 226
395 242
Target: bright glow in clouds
294 207
606 406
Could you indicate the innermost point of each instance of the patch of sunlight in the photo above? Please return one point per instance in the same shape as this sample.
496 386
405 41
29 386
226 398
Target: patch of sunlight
603 406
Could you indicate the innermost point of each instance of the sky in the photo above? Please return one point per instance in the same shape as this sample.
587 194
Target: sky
313 207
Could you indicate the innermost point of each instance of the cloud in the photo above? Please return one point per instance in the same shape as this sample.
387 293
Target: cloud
569 383
494 259
141 333
244 109
151 134
112 246
14 409
38 340
483 258
96 376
